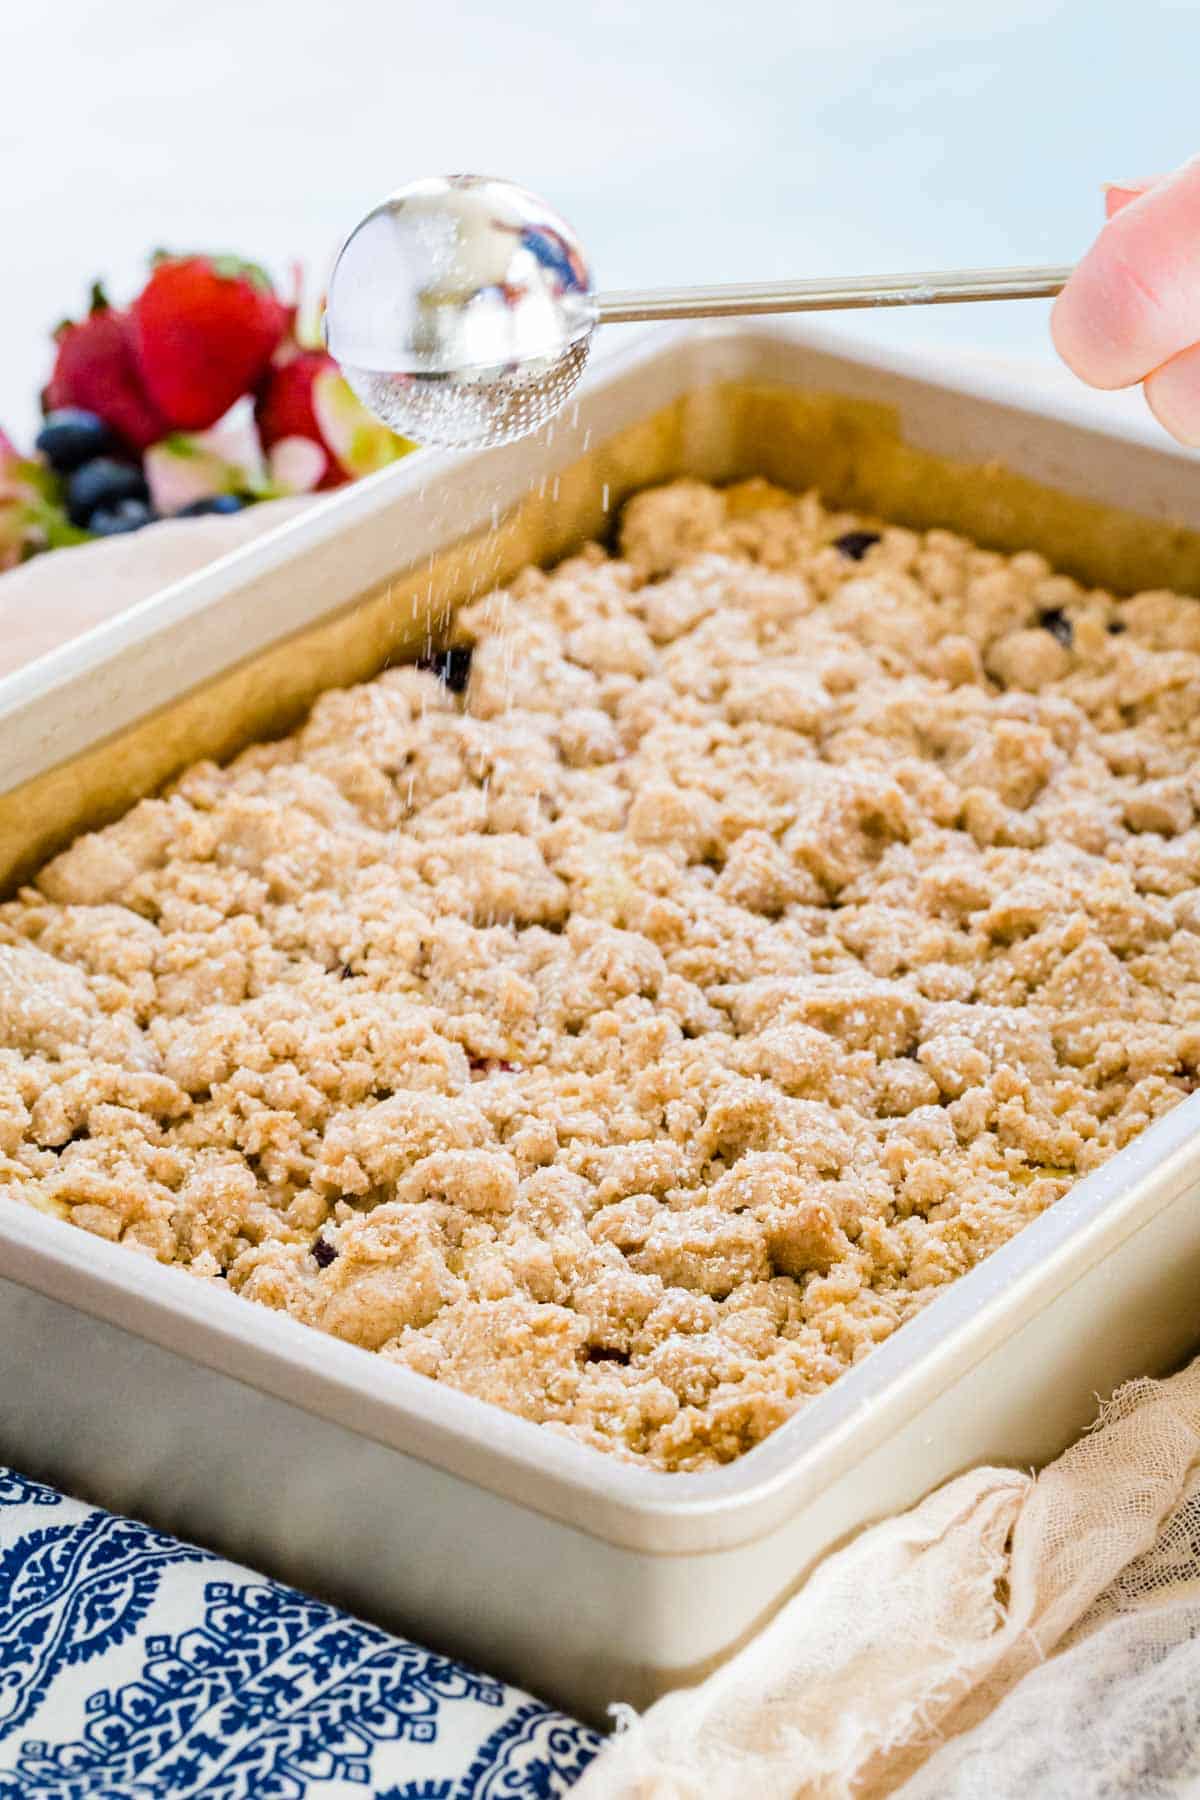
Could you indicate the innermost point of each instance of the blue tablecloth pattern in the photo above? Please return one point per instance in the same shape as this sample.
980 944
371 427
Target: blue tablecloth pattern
133 1667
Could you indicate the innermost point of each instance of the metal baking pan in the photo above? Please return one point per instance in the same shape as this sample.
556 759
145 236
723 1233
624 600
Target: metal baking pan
587 1579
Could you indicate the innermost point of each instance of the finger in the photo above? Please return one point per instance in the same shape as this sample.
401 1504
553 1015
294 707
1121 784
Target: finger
1173 392
1119 193
1134 300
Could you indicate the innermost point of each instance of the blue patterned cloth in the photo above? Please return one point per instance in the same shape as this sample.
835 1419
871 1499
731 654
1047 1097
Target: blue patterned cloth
134 1667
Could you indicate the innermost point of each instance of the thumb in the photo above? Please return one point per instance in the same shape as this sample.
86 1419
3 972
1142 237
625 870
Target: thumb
1132 301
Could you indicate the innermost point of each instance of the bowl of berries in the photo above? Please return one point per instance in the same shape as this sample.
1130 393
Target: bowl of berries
207 393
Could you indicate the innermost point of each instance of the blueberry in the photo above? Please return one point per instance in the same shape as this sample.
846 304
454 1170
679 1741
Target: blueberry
323 1253
453 667
213 503
123 515
855 544
102 482
1056 622
72 436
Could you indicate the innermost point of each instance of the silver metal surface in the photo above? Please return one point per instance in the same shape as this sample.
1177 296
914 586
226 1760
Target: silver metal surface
461 309
833 293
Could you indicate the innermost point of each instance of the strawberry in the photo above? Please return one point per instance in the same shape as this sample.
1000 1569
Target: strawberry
95 369
305 397
205 328
285 409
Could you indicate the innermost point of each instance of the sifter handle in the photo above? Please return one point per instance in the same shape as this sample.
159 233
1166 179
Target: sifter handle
831 294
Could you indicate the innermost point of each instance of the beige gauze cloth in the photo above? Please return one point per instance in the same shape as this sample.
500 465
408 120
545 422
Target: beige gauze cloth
1010 1636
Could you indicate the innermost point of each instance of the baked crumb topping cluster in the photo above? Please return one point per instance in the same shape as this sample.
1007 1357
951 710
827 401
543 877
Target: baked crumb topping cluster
786 912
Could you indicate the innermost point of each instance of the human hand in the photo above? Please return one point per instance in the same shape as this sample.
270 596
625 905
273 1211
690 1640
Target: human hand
1131 310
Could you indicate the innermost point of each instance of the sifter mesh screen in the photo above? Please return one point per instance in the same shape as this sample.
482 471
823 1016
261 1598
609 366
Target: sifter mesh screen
473 408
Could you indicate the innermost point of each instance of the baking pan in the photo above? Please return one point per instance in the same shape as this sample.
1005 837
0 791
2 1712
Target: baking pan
585 1578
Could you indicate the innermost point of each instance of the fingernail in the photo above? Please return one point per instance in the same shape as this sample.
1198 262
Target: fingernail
1119 193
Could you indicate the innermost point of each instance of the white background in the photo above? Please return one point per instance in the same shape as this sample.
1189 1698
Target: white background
687 141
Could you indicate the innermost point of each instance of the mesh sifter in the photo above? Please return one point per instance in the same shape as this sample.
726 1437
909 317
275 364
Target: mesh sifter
462 309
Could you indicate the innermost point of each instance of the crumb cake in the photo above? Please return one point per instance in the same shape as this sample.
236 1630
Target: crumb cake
636 1016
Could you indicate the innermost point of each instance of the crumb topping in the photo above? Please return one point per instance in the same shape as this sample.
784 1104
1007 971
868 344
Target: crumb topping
638 1014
